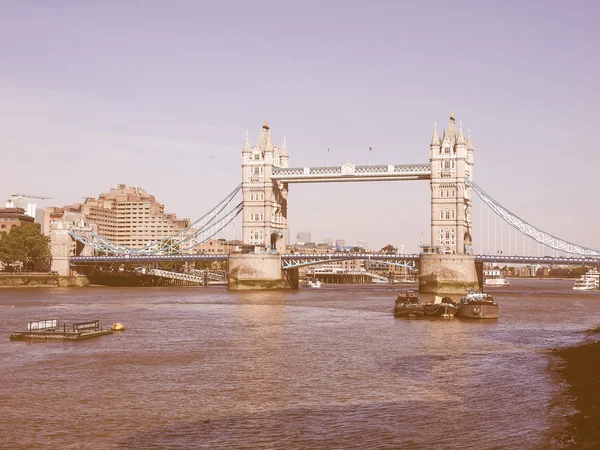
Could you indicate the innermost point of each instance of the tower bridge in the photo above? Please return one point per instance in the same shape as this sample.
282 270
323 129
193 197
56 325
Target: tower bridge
447 265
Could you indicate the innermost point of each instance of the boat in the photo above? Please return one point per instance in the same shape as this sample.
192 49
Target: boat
311 283
441 307
56 330
478 305
496 281
588 281
407 305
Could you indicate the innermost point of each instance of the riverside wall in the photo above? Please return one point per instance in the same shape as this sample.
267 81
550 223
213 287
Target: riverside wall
25 279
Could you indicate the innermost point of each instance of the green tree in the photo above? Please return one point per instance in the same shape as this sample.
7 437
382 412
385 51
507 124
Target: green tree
27 245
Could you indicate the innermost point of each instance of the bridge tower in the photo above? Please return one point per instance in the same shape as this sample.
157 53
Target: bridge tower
264 217
451 160
448 266
264 221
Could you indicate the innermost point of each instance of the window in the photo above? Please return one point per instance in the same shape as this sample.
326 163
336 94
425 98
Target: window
446 164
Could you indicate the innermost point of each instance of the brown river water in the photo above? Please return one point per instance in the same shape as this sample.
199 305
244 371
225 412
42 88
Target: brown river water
326 368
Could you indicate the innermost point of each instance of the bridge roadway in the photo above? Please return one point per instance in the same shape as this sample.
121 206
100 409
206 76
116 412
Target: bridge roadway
298 260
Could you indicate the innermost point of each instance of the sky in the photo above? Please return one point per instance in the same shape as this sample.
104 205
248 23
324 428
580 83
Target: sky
159 95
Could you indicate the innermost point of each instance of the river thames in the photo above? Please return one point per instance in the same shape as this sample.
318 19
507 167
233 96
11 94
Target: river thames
316 368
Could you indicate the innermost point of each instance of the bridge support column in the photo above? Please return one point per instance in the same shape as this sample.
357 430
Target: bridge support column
257 271
447 274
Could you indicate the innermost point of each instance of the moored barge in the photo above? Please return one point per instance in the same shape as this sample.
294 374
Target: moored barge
478 305
55 330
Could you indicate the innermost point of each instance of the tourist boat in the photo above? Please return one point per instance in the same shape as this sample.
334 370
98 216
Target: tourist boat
407 305
312 283
478 305
588 281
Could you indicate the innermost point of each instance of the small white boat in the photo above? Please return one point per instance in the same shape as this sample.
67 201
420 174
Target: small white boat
588 281
311 283
494 278
495 282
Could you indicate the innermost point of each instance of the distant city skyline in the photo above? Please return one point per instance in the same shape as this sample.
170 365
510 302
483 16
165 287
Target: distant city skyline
146 94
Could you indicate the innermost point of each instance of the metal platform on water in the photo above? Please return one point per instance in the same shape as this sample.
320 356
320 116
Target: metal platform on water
55 330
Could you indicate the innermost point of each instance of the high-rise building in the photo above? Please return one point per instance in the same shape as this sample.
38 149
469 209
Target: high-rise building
131 217
303 237
19 201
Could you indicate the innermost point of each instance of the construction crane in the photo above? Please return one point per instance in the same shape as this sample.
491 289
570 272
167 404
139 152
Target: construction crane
41 197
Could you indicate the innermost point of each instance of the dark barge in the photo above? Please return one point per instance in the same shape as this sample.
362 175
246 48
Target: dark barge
55 330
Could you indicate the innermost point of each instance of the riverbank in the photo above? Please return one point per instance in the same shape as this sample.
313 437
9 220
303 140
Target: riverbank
31 279
579 368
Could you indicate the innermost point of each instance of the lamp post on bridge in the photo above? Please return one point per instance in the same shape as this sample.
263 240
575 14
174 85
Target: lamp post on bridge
370 149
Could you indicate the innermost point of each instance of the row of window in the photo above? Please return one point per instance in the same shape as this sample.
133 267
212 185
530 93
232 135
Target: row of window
447 193
447 237
447 164
447 215
256 217
256 236
257 196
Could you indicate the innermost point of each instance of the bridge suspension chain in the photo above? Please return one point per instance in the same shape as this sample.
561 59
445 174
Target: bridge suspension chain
529 230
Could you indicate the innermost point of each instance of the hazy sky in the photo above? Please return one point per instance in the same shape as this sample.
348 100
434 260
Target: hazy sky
159 95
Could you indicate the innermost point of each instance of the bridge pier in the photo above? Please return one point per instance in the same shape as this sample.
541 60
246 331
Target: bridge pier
258 271
447 274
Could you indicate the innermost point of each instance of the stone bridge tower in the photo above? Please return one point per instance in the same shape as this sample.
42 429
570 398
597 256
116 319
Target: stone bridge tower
451 159
448 266
264 221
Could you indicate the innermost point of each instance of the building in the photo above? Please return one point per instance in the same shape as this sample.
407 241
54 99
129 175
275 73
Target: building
127 216
219 246
340 243
451 160
264 221
303 237
13 217
20 201
57 224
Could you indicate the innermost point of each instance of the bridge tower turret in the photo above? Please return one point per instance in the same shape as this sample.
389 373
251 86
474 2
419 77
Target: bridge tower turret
451 161
264 217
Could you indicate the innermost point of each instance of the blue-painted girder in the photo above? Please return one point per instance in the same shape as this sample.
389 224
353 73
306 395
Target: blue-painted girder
291 261
84 260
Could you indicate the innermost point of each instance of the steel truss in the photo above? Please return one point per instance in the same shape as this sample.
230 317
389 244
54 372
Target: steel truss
197 233
529 230
294 261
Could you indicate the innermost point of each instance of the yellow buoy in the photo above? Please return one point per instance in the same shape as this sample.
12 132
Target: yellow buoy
118 327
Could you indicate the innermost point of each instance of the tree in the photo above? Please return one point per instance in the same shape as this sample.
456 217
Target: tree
27 245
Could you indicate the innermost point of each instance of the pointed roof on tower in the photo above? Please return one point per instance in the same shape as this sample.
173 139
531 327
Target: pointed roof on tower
469 143
246 148
451 131
264 142
435 140
461 137
284 151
